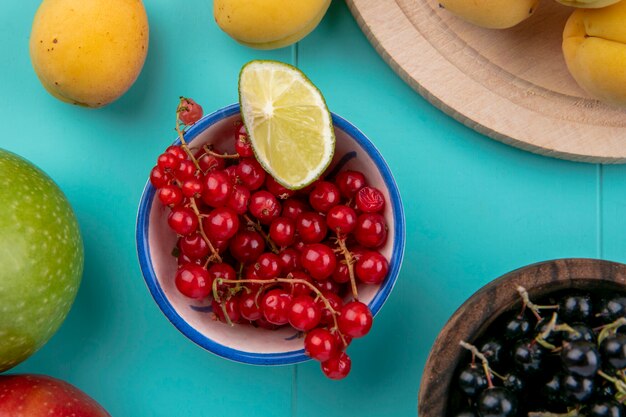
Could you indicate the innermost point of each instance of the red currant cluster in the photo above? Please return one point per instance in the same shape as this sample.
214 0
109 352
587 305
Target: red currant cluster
270 256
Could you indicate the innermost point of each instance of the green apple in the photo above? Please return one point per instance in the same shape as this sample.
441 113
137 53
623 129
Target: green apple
41 259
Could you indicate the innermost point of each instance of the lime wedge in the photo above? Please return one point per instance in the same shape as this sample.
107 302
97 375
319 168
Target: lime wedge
289 125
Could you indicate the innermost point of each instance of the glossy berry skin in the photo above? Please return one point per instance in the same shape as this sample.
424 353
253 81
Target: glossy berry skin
283 231
605 408
246 246
372 268
371 230
341 219
249 306
324 196
528 357
243 147
217 189
221 223
576 388
159 178
516 328
264 207
497 402
277 189
183 220
580 358
311 227
298 288
554 338
370 200
193 281
350 182
194 246
514 383
341 274
575 308
275 306
335 302
355 319
290 260
222 271
177 151
230 306
551 390
327 286
472 381
192 188
318 260
494 351
268 266
239 199
320 345
208 162
304 313
168 162
337 367
189 112
613 309
250 173
613 350
186 169
170 195
584 333
292 208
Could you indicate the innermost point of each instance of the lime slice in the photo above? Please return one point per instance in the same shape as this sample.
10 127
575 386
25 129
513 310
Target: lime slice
289 125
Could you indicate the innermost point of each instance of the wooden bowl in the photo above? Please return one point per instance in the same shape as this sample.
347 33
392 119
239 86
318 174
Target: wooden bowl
485 306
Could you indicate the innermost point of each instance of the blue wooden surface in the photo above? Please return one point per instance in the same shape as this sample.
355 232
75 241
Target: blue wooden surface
475 210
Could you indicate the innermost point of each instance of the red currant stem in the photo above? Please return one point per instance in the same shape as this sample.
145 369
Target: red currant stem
219 155
611 329
290 281
259 229
483 359
341 241
214 253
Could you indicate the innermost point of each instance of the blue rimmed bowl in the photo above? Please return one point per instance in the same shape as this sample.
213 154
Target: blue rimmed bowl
245 343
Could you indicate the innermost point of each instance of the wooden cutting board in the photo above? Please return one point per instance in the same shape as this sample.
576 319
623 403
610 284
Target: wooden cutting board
511 85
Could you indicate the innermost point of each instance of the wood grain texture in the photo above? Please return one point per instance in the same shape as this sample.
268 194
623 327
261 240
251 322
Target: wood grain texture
480 310
511 85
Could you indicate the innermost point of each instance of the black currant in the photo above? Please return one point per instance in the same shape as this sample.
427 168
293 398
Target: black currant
575 308
613 309
528 357
514 383
580 358
517 328
583 332
605 408
497 402
494 352
606 390
613 350
551 391
472 380
576 388
554 337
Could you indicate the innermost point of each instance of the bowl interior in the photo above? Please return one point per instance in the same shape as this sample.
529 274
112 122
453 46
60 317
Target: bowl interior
194 318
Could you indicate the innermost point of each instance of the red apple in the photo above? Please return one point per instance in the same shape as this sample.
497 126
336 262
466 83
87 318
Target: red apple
38 396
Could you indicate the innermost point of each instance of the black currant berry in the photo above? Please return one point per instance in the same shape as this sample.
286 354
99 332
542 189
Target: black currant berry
494 352
551 391
554 337
575 308
582 332
472 381
497 402
576 388
613 350
514 383
606 390
605 408
580 358
528 357
613 309
517 328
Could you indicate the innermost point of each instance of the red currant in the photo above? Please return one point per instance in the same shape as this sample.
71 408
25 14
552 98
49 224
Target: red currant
283 231
222 271
250 173
371 230
324 196
372 268
341 274
242 143
194 246
221 223
304 314
341 219
159 178
370 200
350 182
318 260
268 266
290 260
186 169
311 227
249 307
264 324
168 162
230 306
320 345
183 220
328 285
246 246
231 171
189 112
217 189
239 199
275 306
299 288
208 162
277 189
170 195
355 319
335 302
177 151
337 367
193 281
264 206
292 208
